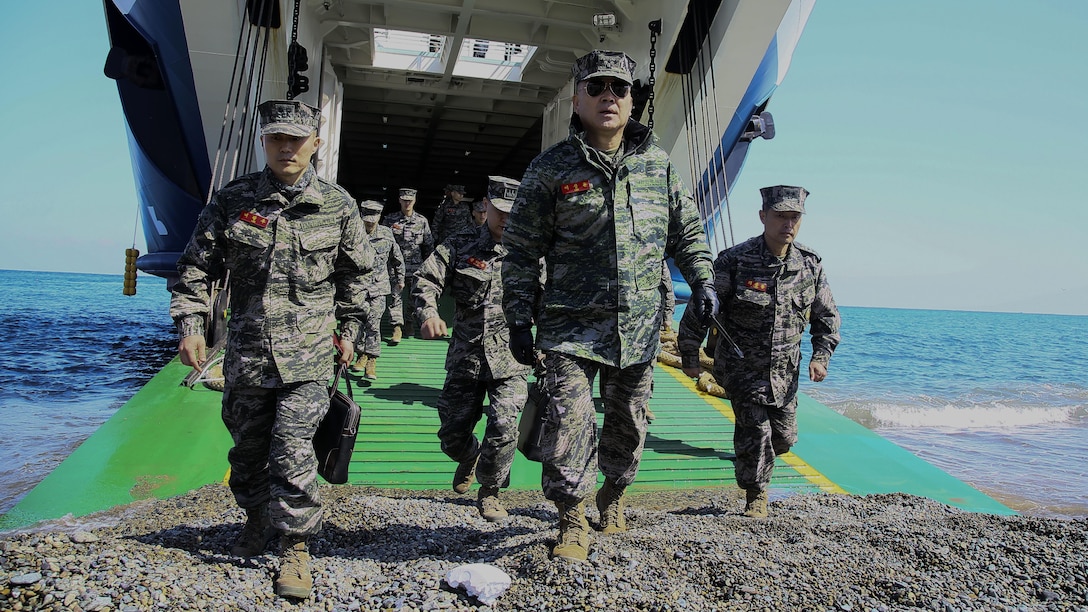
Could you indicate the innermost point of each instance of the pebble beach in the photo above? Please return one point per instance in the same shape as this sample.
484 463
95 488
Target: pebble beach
684 550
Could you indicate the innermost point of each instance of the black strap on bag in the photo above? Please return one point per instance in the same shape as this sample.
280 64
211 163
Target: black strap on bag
341 372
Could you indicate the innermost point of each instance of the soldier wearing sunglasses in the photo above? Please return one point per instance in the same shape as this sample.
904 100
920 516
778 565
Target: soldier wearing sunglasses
601 210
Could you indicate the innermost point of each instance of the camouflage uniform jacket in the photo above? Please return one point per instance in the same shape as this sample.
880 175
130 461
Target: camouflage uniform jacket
766 303
413 234
388 263
469 266
296 268
603 231
452 218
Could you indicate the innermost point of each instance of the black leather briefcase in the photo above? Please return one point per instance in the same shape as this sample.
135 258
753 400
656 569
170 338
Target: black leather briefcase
335 437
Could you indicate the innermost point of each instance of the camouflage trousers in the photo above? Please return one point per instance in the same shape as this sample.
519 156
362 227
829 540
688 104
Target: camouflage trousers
273 460
570 449
761 433
400 304
460 407
370 334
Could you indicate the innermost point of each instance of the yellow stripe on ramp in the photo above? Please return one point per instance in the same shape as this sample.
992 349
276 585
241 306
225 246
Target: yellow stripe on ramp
804 469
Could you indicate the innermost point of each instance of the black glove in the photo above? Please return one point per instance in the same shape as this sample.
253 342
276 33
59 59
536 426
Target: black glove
521 344
704 303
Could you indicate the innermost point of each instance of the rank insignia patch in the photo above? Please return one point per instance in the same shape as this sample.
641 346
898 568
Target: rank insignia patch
756 285
477 263
575 187
253 219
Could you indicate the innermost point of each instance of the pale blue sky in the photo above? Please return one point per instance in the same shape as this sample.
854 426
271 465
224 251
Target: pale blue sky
945 145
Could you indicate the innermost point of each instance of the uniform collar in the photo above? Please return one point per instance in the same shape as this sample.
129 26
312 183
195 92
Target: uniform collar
635 135
268 187
485 240
791 261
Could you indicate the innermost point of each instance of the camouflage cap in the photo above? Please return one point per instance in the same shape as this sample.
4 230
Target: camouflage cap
458 188
598 63
784 198
501 192
371 210
479 206
407 193
289 117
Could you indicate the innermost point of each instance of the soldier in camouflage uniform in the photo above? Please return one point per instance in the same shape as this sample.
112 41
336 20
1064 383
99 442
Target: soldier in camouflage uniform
413 234
602 208
298 259
770 288
454 214
478 362
388 272
479 213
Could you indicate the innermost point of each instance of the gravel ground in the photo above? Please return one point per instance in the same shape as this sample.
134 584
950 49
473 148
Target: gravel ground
688 550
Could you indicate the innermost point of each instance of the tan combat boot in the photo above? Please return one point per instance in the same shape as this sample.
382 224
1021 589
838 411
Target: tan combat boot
465 474
256 534
490 506
397 335
610 505
294 579
371 369
756 506
573 541
359 364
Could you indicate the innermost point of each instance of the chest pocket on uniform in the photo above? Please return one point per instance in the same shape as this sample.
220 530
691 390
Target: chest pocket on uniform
751 306
317 252
248 242
411 236
803 299
648 210
470 283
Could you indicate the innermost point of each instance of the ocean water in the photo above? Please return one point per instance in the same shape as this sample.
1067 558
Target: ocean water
997 400
73 350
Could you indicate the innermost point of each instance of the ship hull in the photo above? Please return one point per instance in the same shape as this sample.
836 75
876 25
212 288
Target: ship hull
178 63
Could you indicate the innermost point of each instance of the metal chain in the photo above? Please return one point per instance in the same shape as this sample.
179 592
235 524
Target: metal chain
655 29
296 61
294 25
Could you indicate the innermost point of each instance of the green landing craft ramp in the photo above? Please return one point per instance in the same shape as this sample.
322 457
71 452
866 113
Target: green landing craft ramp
169 439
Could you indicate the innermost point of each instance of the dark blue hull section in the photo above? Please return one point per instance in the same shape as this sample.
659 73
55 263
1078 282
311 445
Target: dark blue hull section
149 60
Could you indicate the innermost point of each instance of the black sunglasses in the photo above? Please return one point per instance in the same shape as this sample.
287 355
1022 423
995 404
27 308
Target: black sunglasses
619 88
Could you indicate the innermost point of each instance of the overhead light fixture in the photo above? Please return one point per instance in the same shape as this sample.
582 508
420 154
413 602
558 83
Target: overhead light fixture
604 20
467 153
385 119
605 23
385 146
